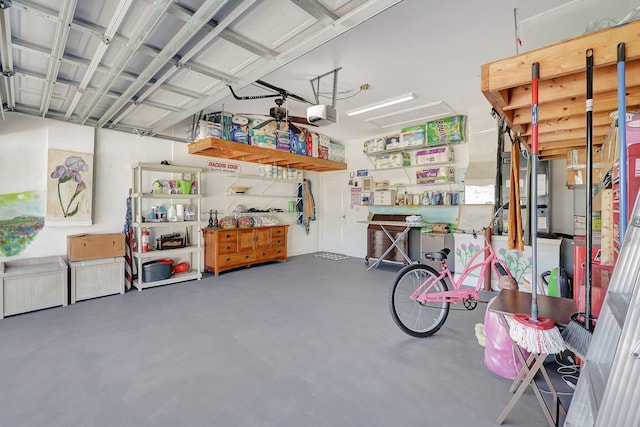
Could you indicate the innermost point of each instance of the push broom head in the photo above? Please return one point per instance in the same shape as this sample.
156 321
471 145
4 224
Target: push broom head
577 335
536 336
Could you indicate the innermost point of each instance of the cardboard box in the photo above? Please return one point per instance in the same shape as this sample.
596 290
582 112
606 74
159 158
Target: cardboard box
82 247
579 176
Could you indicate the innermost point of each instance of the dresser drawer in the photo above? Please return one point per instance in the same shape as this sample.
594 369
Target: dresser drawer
231 259
226 236
277 232
227 247
278 242
271 254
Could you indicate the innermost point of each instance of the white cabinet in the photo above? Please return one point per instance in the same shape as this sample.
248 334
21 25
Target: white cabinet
146 196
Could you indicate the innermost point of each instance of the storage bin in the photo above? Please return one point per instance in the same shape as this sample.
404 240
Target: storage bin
156 270
33 284
96 278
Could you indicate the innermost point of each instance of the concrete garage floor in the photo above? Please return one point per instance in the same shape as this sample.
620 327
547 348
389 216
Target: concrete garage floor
309 342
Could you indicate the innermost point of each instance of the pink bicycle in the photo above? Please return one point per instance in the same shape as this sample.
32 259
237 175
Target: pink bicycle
420 297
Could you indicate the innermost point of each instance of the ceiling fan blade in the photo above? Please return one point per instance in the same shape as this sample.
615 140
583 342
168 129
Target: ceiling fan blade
266 122
293 128
301 120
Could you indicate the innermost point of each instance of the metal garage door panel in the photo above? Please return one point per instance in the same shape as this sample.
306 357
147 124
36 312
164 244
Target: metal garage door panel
224 56
289 21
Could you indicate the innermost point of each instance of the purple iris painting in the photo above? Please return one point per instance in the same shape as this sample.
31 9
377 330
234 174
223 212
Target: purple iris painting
69 186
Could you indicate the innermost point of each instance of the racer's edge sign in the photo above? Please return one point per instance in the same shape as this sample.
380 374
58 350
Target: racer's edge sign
223 166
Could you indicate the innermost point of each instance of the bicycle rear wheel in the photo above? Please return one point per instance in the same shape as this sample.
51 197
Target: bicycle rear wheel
413 318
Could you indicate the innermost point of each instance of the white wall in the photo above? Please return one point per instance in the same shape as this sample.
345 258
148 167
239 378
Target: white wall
357 159
481 131
24 142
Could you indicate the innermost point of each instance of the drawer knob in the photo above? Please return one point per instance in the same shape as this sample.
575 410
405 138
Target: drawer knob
228 247
228 259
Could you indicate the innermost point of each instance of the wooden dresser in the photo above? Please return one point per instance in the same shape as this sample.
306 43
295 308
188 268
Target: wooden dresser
225 249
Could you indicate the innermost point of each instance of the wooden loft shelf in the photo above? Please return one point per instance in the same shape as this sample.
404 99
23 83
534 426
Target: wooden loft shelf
562 88
214 147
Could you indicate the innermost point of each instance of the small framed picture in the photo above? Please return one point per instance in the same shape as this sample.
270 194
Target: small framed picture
366 183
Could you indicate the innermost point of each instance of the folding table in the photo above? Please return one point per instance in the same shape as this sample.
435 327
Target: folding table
508 303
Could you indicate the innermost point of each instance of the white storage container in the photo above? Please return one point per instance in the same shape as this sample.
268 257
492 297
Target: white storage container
96 278
384 197
33 284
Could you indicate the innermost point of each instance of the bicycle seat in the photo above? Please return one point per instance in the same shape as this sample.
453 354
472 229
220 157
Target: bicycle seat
437 256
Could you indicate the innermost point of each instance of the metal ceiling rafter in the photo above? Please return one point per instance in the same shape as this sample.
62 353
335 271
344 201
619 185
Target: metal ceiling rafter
342 24
147 24
65 17
105 40
202 69
36 8
203 15
184 13
76 60
317 10
248 44
97 31
6 57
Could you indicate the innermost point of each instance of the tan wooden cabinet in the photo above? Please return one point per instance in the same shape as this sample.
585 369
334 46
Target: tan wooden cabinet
225 249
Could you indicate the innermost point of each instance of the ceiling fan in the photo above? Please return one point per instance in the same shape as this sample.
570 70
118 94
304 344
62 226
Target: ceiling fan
278 114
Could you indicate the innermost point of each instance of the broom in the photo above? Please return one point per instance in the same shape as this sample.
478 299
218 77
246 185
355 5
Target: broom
534 333
577 334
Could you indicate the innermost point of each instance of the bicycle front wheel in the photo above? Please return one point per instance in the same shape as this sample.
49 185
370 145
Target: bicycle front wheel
413 318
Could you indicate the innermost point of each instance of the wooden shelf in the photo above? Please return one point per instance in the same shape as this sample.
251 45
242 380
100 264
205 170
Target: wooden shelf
214 147
562 88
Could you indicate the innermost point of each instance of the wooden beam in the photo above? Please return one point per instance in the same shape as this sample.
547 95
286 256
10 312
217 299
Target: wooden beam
571 122
556 156
605 80
568 144
564 58
221 148
605 103
566 135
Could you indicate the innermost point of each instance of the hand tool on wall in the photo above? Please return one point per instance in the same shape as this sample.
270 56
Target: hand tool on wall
622 141
535 333
578 333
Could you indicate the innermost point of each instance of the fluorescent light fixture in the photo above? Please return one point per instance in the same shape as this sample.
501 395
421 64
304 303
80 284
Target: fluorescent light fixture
382 104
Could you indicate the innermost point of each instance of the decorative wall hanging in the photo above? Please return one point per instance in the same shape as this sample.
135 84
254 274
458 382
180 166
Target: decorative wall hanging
21 218
69 188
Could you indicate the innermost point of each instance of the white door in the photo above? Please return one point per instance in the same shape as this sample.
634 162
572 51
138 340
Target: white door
334 211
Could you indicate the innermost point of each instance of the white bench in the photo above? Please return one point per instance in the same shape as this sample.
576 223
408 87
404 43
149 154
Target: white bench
33 284
96 278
